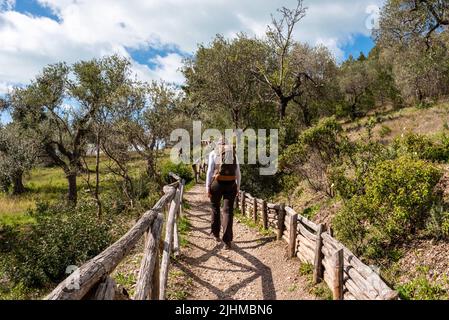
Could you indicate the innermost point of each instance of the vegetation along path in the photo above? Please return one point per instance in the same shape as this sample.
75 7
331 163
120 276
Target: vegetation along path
256 268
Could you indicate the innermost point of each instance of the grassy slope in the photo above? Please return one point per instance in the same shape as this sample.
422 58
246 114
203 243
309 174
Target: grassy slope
422 263
423 121
50 184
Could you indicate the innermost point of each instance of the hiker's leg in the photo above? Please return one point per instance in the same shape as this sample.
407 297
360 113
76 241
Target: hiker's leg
215 204
228 212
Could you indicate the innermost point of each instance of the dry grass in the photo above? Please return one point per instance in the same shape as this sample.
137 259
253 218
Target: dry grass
423 121
50 184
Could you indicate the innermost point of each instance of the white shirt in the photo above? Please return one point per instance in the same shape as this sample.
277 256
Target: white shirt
211 169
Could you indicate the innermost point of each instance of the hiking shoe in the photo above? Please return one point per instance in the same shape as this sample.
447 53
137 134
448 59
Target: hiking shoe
228 245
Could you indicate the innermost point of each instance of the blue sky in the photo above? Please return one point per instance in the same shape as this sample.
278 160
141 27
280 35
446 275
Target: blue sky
34 8
361 43
157 34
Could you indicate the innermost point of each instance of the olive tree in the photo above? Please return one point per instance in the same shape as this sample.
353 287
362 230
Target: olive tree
283 78
18 154
220 77
60 106
356 80
406 21
413 37
316 95
146 111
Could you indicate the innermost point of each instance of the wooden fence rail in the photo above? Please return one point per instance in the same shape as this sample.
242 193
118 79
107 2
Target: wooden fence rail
333 263
92 280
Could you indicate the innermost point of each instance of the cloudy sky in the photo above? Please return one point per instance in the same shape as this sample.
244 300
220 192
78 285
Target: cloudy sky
157 34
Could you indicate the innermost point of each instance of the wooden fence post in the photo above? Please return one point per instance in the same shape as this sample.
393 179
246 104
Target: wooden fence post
264 215
255 209
281 221
330 231
181 187
176 246
243 203
293 233
170 223
337 289
318 264
145 285
106 289
155 280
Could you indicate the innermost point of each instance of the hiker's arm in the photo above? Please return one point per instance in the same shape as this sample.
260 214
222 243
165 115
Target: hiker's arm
210 171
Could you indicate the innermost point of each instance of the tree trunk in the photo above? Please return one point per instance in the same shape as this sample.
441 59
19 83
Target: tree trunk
353 111
283 108
18 187
72 195
150 166
97 176
307 116
151 170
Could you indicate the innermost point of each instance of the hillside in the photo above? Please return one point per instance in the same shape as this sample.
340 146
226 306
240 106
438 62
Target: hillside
421 263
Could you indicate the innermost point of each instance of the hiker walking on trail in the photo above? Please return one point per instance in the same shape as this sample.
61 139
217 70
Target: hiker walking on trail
223 182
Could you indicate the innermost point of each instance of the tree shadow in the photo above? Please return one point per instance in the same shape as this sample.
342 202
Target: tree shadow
255 266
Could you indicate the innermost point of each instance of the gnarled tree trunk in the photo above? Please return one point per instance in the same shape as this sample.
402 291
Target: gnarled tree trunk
73 193
17 181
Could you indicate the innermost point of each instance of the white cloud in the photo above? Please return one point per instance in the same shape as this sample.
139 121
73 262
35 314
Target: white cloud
332 45
91 28
168 68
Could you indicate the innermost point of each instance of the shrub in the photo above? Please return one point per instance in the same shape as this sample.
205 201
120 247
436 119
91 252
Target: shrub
422 288
317 150
423 147
146 191
305 269
8 236
425 104
349 178
384 131
437 224
396 202
60 237
182 170
349 226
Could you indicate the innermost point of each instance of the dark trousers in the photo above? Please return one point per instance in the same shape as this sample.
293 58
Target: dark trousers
226 190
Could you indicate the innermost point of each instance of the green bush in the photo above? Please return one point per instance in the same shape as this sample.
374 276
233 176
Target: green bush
438 223
182 170
60 237
349 178
384 131
305 269
422 288
346 187
425 104
397 199
423 147
317 150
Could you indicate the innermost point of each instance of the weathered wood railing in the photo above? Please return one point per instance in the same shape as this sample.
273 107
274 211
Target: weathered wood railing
93 281
341 270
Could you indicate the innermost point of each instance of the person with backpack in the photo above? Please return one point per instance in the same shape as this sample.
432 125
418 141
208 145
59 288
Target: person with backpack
223 182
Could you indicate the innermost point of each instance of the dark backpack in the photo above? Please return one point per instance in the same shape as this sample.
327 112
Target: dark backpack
226 163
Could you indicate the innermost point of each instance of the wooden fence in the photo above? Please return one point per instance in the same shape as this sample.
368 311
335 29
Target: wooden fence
333 263
92 281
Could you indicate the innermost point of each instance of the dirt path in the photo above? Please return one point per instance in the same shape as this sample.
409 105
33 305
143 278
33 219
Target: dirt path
256 268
